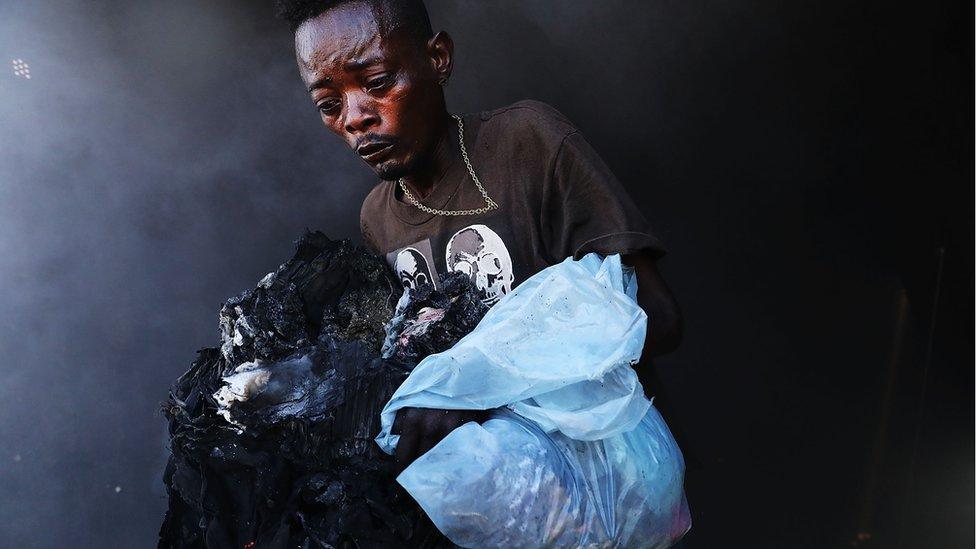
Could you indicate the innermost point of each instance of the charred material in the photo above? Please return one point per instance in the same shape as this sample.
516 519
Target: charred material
329 287
430 321
272 433
300 473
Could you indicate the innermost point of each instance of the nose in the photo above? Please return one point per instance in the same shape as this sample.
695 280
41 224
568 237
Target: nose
360 113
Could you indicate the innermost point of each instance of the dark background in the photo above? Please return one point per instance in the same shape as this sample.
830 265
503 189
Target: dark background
809 164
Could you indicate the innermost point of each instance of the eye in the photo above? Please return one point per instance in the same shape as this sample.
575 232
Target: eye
380 82
329 107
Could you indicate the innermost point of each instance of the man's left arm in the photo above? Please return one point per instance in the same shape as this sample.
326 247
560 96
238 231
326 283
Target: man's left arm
665 329
664 321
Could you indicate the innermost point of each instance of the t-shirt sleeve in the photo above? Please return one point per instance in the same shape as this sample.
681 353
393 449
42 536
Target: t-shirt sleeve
586 209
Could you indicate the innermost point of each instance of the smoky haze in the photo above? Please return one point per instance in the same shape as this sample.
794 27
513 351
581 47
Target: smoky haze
803 162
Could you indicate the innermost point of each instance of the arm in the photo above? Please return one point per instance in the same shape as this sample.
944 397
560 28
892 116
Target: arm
665 328
664 321
420 429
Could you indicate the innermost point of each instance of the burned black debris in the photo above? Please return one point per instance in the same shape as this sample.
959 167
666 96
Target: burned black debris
272 433
329 287
454 310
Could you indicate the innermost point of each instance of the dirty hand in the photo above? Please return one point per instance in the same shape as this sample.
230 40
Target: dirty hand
420 429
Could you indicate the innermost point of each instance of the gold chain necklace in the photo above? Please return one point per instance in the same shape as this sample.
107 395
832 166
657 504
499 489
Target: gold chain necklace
489 203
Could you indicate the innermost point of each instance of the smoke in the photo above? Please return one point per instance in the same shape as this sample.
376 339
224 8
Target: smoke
161 158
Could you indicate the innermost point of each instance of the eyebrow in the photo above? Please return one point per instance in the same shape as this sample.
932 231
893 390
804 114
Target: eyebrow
320 83
358 64
350 66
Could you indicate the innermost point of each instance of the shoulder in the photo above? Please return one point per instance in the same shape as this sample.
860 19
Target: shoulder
369 212
374 200
529 120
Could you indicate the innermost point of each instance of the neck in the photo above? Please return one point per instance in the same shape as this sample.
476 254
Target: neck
423 180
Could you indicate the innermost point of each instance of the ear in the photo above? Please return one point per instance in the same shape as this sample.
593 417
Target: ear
440 51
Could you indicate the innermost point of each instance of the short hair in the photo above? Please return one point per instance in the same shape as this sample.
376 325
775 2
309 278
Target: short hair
408 15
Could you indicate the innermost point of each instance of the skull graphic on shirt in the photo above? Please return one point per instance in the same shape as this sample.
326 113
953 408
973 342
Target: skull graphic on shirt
411 268
480 253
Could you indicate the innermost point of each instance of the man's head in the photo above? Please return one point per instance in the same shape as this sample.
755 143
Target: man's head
374 70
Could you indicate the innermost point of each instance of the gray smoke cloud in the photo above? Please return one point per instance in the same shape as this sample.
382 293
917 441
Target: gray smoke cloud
161 158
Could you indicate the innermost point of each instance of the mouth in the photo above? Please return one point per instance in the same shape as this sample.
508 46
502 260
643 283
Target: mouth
375 151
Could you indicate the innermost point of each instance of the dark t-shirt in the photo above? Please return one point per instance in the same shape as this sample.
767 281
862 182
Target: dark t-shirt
556 199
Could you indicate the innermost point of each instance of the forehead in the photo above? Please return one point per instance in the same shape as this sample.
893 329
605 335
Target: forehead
348 32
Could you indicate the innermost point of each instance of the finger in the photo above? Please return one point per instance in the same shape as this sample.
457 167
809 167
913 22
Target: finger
398 420
406 450
477 416
428 441
444 426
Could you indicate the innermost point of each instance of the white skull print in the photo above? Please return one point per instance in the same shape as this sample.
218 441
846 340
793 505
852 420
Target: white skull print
411 267
480 253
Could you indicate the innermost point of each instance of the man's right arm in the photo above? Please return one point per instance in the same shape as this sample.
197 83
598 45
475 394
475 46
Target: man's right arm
420 429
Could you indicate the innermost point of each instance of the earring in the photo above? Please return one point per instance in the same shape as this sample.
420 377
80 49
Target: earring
442 81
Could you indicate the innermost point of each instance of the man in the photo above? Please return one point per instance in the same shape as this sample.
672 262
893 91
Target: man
498 195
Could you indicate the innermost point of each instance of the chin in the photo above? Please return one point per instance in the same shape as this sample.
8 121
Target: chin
391 170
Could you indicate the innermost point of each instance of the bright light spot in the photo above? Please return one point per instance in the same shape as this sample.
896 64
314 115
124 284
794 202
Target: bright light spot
17 457
21 68
118 489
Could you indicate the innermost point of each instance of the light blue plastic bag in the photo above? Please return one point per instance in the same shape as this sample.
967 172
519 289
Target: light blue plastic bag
575 456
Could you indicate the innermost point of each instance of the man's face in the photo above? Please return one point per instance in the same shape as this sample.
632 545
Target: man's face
375 90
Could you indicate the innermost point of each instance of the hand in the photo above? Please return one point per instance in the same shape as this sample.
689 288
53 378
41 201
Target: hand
420 429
